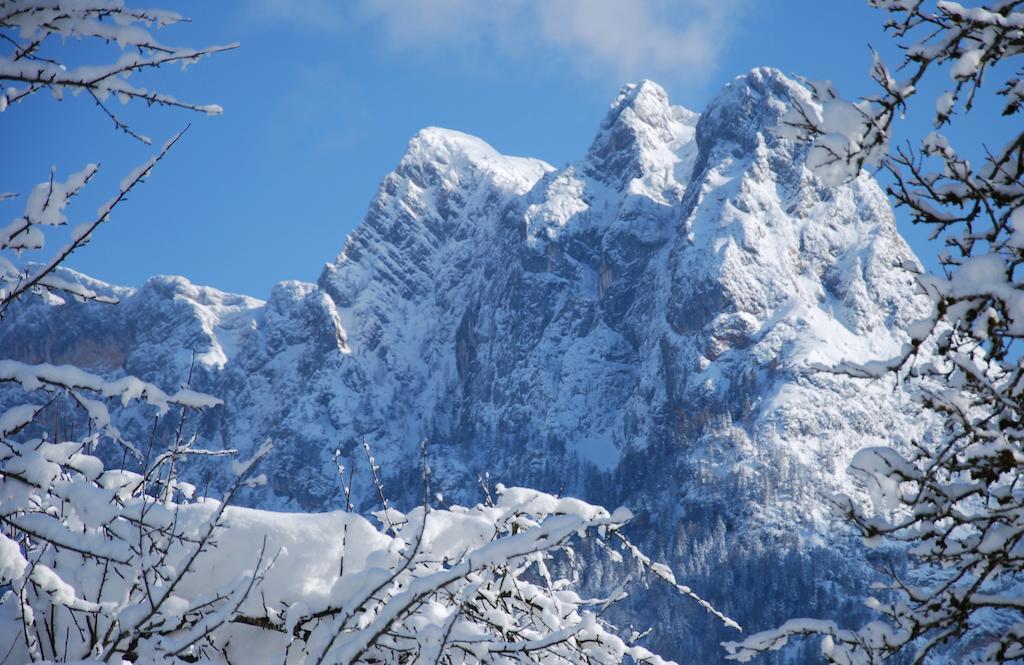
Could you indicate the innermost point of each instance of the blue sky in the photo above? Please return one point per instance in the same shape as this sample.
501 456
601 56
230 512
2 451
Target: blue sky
322 97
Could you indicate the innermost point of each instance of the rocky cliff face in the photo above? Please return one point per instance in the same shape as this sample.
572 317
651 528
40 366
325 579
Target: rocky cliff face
635 328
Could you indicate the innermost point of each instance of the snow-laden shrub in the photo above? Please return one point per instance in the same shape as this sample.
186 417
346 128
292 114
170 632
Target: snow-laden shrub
111 566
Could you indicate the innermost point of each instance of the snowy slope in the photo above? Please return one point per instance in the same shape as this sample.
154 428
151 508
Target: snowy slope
634 328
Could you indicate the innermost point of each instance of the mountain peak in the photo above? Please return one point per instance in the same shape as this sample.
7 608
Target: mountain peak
436 154
748 105
647 100
432 142
639 135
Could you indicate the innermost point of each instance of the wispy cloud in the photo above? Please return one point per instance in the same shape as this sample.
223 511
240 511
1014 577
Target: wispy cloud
680 40
641 37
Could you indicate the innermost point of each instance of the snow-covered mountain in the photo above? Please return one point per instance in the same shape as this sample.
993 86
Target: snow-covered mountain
635 328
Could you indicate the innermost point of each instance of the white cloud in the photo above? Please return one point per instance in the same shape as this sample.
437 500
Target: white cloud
641 37
679 40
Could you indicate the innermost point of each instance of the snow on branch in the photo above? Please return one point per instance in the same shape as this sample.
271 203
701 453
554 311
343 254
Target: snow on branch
36 32
45 207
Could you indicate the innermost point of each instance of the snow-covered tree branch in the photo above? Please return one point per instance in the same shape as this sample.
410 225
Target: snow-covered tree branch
35 33
955 505
44 208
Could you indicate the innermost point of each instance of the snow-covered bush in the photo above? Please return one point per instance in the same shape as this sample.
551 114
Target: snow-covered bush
104 565
81 547
957 504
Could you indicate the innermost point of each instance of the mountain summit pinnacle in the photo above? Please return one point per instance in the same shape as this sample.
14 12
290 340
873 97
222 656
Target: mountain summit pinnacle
638 134
747 106
449 153
646 102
